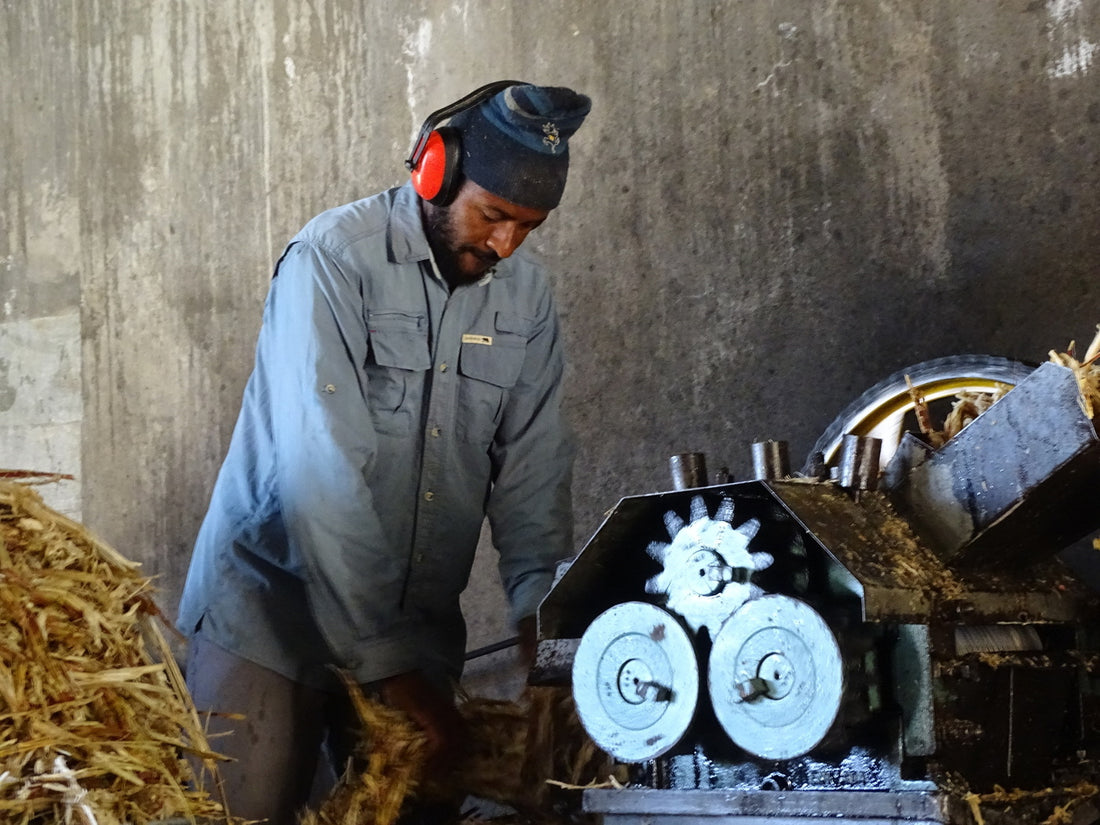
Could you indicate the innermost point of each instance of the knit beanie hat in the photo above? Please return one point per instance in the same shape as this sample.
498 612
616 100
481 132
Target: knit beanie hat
515 144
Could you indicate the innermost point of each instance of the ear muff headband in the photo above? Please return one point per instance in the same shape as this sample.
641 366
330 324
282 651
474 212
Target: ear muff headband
435 160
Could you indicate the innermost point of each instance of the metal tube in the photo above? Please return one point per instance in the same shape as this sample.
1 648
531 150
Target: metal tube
688 470
493 648
816 466
770 460
859 462
723 476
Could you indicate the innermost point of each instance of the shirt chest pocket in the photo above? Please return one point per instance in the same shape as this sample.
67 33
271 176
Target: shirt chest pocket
489 363
397 358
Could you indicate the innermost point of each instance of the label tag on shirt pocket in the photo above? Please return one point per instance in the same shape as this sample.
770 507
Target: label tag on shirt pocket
470 338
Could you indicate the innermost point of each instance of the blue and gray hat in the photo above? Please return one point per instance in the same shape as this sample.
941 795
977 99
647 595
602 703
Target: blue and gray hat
516 143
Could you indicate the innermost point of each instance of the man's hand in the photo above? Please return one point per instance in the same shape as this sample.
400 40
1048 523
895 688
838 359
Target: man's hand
432 712
528 641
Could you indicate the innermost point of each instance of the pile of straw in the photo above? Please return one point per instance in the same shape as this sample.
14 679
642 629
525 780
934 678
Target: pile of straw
519 754
522 752
93 729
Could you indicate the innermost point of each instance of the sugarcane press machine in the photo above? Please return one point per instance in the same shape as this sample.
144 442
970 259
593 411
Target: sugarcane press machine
855 644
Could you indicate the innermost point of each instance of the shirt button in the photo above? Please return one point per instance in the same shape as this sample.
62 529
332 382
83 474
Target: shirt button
330 388
435 432
442 367
428 496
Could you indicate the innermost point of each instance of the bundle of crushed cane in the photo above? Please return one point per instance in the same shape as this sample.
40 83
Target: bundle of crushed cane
93 730
969 405
520 754
1087 372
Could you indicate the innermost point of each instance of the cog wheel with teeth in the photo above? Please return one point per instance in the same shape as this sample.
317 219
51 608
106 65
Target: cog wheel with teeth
707 565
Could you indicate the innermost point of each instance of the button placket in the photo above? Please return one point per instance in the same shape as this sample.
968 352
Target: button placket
441 402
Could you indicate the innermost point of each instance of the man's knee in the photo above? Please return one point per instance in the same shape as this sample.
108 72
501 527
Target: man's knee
268 726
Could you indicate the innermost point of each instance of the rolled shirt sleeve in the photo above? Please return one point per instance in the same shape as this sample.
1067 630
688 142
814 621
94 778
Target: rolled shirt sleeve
314 352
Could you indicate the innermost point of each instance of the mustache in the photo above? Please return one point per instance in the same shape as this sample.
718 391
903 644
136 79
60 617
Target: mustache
485 257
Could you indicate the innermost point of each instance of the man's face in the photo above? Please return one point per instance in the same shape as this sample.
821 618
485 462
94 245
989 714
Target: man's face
475 231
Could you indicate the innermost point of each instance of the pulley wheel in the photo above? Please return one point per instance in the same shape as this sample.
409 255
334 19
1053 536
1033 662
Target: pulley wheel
776 677
880 411
636 681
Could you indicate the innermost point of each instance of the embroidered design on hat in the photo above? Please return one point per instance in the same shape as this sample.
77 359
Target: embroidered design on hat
551 137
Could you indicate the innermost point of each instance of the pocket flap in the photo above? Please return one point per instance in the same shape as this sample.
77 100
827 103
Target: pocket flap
512 323
498 363
399 340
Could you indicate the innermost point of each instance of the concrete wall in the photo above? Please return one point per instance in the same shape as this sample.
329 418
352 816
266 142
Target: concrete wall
774 204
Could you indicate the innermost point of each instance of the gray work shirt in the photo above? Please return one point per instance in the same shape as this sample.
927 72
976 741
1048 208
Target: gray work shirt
384 418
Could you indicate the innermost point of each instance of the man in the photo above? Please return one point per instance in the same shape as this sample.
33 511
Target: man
407 383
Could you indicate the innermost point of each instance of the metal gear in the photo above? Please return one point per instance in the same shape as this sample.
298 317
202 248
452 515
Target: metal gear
707 566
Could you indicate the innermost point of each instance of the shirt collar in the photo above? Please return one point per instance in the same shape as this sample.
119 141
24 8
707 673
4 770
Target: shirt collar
405 238
485 279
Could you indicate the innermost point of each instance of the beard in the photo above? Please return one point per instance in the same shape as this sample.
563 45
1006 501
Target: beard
459 264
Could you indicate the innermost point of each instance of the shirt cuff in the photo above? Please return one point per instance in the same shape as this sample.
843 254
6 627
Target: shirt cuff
382 658
528 594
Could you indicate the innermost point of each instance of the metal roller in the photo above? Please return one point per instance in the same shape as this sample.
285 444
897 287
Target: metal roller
996 639
636 681
776 677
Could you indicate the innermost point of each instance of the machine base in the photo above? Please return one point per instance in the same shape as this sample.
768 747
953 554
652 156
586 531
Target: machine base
648 806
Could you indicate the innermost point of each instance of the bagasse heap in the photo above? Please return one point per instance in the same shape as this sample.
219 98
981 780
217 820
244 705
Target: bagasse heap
92 728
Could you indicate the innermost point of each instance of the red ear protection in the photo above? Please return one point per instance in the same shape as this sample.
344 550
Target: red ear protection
435 176
436 159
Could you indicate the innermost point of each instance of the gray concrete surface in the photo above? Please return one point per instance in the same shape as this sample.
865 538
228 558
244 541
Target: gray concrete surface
774 204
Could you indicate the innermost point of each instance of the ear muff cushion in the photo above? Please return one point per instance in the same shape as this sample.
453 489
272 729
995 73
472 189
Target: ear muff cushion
435 177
